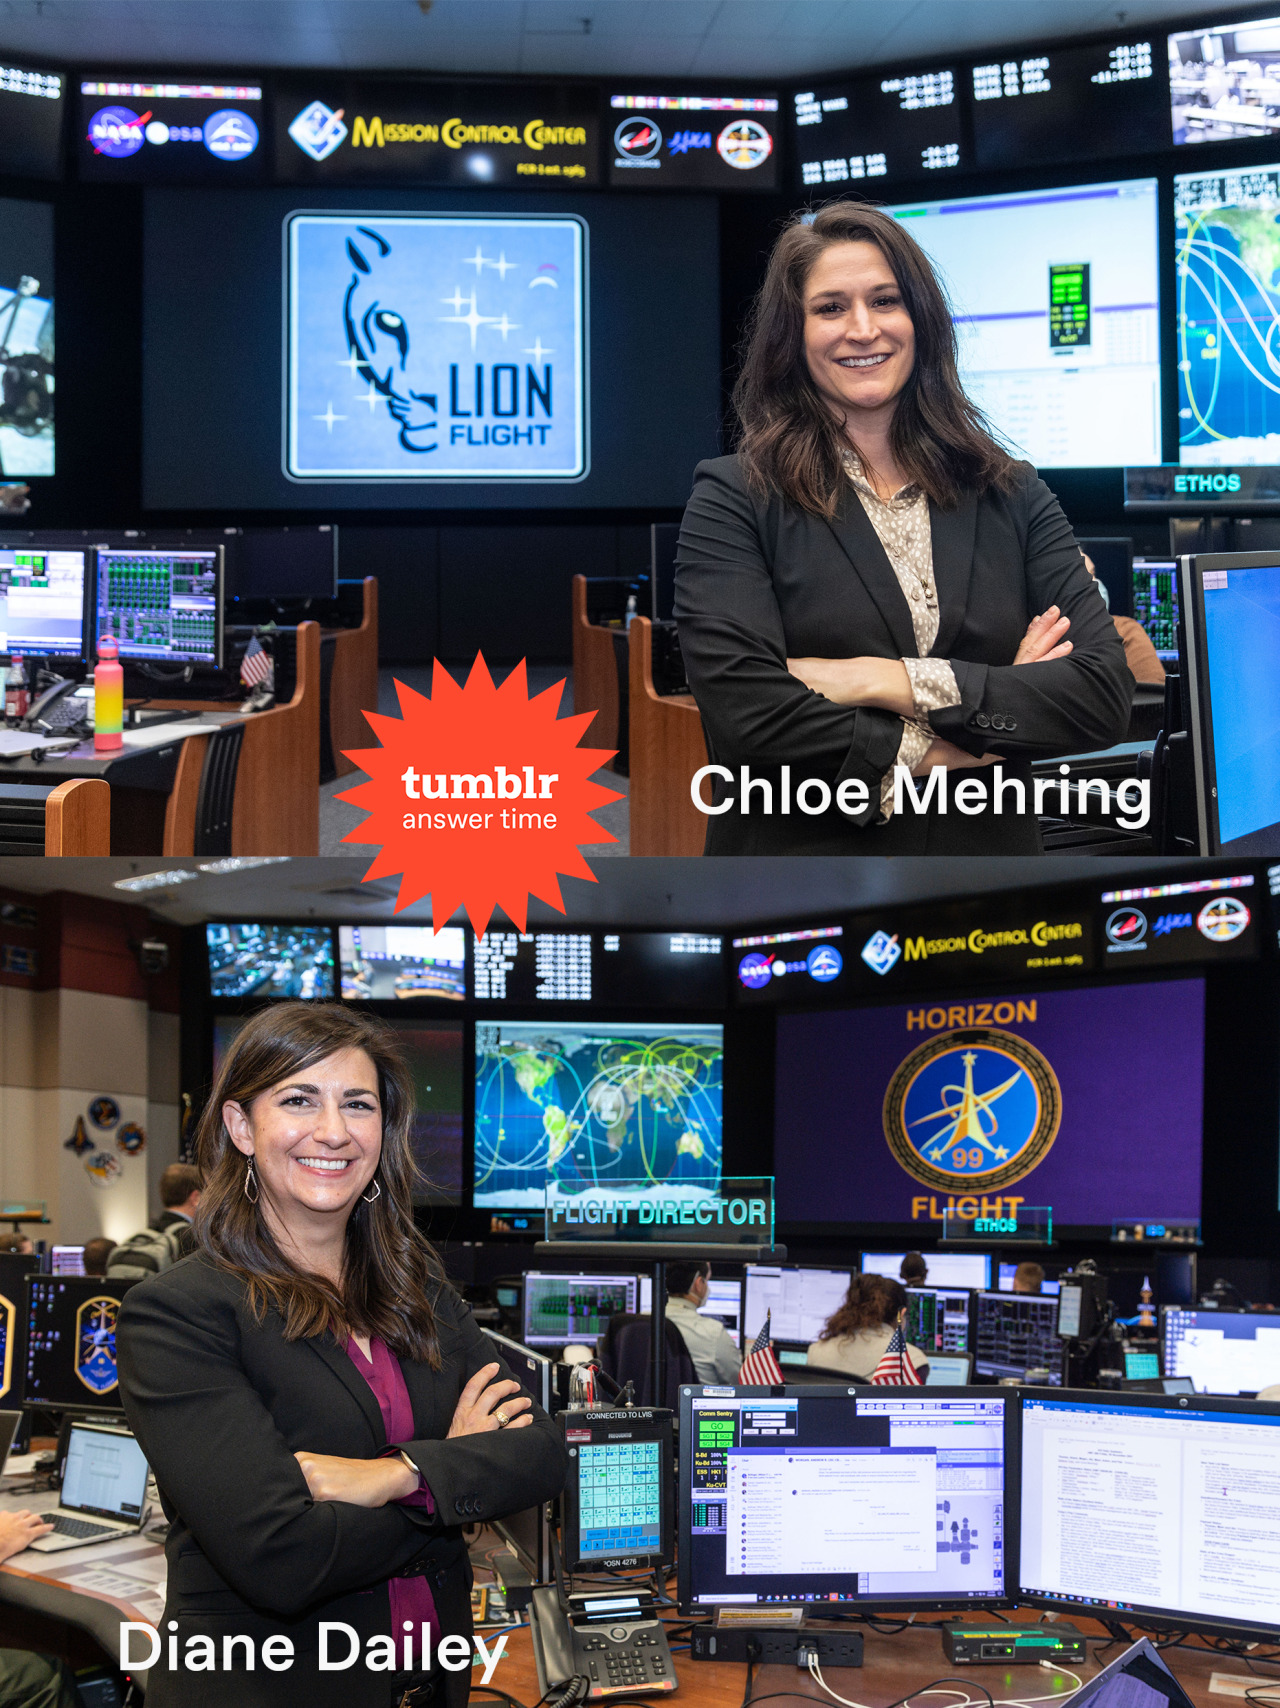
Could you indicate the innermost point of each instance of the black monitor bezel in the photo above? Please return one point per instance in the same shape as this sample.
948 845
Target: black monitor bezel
659 1428
630 1273
1168 1621
149 548
88 600
972 1326
1194 659
91 1404
852 1390
995 1293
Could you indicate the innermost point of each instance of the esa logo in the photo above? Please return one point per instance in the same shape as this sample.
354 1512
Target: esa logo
823 963
684 140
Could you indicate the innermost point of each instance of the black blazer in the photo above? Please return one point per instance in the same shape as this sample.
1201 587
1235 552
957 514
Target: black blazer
220 1402
758 581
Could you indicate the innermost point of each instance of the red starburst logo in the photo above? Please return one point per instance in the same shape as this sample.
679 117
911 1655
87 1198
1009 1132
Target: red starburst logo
479 796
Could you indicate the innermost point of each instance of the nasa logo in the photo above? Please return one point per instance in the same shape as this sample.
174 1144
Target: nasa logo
824 963
637 140
881 952
1222 920
975 1109
755 970
230 135
684 140
744 144
1126 928
318 130
117 132
95 1353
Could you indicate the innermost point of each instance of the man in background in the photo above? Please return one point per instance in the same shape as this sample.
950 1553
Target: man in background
1028 1278
97 1254
169 1237
715 1357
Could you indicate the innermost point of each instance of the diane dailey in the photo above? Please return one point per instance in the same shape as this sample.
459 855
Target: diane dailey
338 1649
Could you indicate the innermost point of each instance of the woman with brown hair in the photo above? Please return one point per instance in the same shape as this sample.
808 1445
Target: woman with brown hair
321 1413
872 585
857 1337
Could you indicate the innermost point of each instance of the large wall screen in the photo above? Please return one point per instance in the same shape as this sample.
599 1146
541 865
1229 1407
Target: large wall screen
1055 295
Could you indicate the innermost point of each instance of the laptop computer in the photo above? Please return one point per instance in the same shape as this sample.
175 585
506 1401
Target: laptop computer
10 1422
950 1370
104 1490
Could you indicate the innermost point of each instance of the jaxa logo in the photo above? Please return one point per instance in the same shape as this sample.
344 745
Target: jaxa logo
976 1109
1168 922
96 1344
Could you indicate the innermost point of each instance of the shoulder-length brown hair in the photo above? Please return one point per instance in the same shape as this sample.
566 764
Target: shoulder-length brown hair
789 440
391 1273
873 1301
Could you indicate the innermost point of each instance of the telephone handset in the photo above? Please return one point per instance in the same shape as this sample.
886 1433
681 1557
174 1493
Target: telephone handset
613 1644
39 713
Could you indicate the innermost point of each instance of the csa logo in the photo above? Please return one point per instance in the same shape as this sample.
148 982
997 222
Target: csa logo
96 1344
974 1110
824 963
1222 920
881 952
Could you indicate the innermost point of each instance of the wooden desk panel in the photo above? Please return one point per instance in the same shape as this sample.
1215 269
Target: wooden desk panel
595 673
667 747
353 689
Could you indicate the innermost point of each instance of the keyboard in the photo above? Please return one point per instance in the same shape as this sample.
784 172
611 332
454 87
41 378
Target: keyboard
80 1528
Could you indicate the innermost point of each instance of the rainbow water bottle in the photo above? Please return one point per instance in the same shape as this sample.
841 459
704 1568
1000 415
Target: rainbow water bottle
108 698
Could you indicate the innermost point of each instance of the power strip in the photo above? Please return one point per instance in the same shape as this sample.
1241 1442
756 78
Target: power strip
771 1646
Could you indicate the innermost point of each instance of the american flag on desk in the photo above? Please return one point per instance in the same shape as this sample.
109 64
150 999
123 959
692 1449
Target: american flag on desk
760 1368
896 1369
257 668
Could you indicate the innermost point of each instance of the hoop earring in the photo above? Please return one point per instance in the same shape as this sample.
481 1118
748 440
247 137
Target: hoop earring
250 1181
377 1193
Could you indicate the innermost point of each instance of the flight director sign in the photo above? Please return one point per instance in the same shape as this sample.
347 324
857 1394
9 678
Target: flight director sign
433 347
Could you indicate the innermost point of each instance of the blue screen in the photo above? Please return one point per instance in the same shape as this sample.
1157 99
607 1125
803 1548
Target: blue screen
1242 638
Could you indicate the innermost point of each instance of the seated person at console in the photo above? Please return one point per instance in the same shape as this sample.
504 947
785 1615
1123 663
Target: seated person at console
1028 1278
715 1357
858 1335
913 1271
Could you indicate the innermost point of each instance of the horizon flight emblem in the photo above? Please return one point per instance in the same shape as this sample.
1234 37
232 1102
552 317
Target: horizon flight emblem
972 1110
96 1344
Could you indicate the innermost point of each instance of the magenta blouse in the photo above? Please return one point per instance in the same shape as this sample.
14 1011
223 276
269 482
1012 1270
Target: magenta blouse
411 1598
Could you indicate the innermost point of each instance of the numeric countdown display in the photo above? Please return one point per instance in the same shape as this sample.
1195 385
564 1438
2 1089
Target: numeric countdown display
1044 106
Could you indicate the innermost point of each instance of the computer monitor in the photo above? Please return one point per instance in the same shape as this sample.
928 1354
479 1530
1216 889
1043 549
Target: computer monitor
162 606
834 1493
559 1309
528 1532
946 1268
1231 632
949 1369
724 1304
1015 1333
282 563
617 1495
42 601
940 1319
402 962
1141 1365
1223 1352
799 1301
14 1272
1155 604
71 1343
1153 1509
66 1260
270 960
1006 1271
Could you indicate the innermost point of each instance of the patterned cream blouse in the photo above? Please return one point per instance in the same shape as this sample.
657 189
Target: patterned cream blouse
902 525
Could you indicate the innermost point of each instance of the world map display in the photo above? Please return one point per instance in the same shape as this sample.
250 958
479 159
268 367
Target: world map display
592 1105
1228 258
